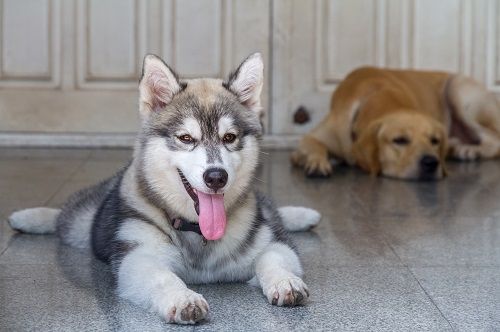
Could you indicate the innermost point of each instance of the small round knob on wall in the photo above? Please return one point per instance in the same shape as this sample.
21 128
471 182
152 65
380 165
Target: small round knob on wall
301 115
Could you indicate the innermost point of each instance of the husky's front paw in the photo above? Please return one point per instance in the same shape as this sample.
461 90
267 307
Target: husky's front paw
187 307
288 292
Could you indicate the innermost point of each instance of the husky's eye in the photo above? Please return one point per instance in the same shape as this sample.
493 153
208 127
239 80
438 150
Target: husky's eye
229 138
186 139
401 140
434 141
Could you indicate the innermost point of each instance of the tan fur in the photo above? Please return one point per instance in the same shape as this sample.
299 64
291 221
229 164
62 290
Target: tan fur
441 114
207 90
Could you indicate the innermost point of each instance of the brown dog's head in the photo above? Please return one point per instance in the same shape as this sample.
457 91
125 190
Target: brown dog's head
405 145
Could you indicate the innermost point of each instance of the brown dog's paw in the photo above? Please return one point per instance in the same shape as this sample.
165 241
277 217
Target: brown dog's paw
318 166
466 152
297 158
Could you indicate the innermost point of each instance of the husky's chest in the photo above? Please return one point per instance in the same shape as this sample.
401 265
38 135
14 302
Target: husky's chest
222 262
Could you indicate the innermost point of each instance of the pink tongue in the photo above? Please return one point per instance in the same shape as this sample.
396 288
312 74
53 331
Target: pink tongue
212 218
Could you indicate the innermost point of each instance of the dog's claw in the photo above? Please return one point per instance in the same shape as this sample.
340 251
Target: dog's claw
288 292
314 165
317 166
187 308
299 297
275 298
314 174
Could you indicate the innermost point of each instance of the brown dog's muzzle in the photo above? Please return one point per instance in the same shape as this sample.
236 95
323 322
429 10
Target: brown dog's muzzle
428 167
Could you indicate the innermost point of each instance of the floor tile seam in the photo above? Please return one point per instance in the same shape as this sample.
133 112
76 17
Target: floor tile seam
81 162
39 264
385 240
455 266
460 265
45 158
16 278
51 265
4 250
70 176
418 282
392 266
92 152
430 298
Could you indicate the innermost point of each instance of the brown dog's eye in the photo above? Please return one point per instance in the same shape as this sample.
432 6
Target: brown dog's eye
186 139
229 138
434 141
401 140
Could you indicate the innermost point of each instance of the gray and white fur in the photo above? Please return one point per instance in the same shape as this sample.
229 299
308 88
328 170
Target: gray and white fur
126 219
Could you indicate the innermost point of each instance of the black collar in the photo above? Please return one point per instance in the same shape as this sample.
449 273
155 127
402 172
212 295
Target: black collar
183 225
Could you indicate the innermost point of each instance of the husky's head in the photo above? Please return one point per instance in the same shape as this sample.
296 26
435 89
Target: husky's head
199 139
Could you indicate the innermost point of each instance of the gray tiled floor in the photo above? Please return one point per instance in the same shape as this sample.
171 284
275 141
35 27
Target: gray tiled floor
388 255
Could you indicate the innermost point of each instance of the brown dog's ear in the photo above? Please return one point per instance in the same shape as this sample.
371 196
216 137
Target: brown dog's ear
366 150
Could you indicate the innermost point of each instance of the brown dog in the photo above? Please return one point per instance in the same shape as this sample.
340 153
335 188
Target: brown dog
403 124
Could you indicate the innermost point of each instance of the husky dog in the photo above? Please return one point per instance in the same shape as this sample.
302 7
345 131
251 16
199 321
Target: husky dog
184 210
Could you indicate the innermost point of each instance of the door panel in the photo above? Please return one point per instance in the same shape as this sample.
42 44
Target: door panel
435 44
109 39
346 30
493 46
198 47
19 45
29 43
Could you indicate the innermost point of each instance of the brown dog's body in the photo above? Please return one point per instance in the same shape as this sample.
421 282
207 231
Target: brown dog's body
403 124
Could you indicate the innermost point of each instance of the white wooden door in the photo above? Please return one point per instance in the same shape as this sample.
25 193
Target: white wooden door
316 43
71 67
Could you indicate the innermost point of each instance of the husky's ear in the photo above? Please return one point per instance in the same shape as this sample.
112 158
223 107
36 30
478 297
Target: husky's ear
246 82
157 86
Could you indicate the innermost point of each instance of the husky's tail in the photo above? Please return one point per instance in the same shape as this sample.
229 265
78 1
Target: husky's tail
40 220
297 219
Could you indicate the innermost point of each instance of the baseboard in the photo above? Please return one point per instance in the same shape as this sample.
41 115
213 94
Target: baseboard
45 140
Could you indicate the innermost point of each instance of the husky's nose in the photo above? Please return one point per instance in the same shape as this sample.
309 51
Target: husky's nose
215 178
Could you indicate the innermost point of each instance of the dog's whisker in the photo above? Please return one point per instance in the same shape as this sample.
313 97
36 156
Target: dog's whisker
258 179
